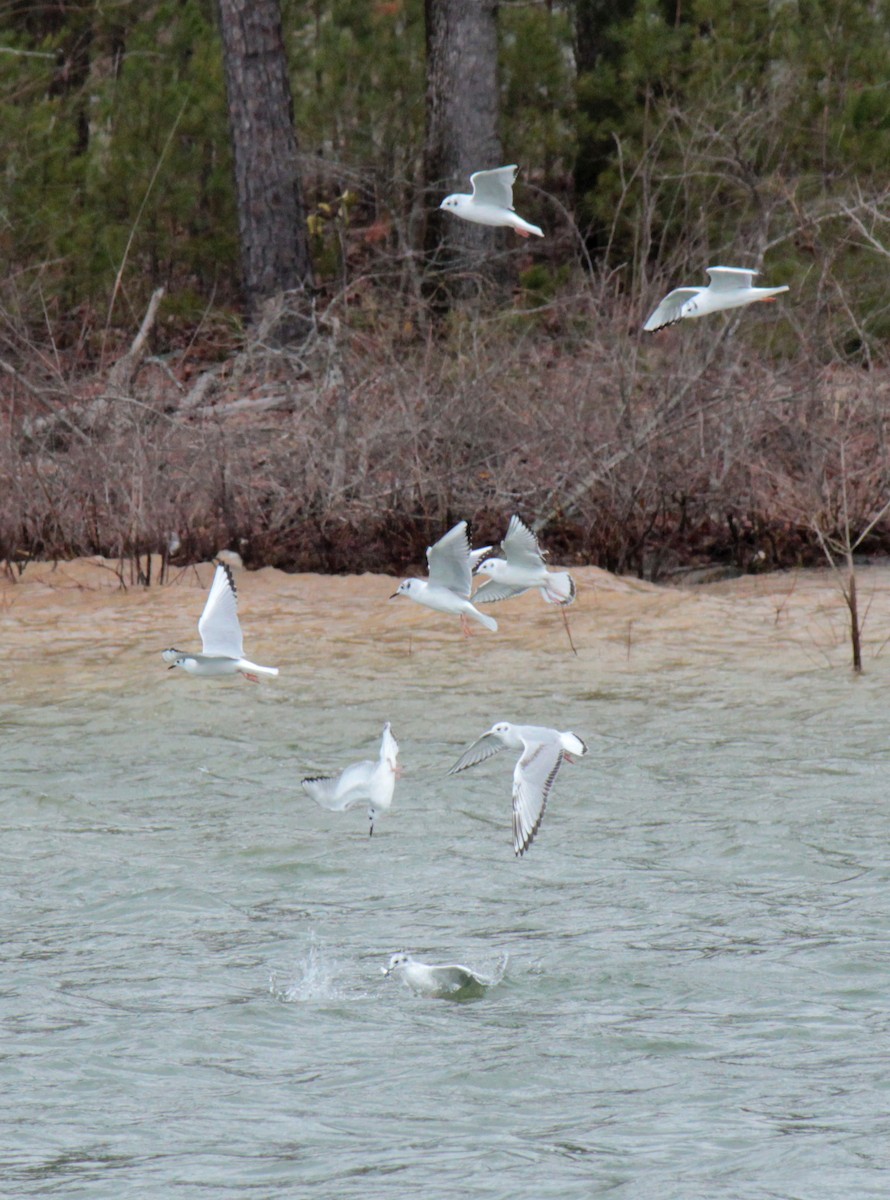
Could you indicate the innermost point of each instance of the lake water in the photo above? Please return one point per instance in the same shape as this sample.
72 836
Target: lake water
696 1001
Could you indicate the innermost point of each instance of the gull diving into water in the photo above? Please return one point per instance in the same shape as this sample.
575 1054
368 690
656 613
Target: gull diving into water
371 782
450 579
223 649
521 568
442 980
491 202
543 752
730 287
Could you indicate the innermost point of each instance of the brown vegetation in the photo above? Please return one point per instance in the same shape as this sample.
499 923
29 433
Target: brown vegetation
356 449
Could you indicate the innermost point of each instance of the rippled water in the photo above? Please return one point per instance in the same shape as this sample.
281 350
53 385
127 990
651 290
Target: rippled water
696 998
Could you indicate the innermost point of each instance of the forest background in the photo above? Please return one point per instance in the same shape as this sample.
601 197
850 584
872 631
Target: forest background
147 409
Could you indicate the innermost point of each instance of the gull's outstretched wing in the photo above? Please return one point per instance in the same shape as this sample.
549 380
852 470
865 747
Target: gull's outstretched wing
495 186
339 792
724 279
520 545
669 310
219 627
532 780
493 590
449 561
453 977
481 749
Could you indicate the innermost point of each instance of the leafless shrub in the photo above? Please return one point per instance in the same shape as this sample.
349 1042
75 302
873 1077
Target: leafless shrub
353 450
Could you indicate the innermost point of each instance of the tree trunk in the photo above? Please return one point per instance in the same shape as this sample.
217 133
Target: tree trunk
271 215
462 118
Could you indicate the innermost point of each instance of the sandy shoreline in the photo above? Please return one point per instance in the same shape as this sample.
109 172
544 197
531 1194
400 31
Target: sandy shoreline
77 615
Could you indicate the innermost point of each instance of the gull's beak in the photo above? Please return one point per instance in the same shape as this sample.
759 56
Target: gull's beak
172 667
393 596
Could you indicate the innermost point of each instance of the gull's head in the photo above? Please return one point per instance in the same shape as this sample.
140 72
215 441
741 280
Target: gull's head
407 587
176 658
502 729
173 658
390 746
454 202
491 566
396 961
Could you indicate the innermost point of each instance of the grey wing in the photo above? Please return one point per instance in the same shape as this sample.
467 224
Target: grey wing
480 750
495 186
520 545
219 627
534 735
343 791
725 279
532 780
449 561
669 310
493 590
455 977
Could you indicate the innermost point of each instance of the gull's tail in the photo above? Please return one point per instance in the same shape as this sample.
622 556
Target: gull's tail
483 619
769 293
524 228
253 669
559 588
572 744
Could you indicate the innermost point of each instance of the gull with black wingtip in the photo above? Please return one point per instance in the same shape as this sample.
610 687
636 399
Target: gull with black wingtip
543 751
222 642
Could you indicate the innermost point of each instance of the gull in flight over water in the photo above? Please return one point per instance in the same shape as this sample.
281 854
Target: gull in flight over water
543 751
491 202
729 287
220 630
442 980
450 579
521 568
371 782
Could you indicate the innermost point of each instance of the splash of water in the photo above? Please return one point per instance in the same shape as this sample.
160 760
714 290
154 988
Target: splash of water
313 978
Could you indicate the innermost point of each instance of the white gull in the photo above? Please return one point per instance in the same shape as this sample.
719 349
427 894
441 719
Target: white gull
542 753
491 202
371 782
450 579
729 287
221 638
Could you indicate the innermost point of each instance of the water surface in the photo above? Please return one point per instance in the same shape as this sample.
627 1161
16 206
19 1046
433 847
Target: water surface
696 998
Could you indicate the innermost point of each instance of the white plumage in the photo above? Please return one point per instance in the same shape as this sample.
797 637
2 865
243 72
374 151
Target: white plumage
521 568
491 202
543 751
221 638
450 579
729 287
371 782
443 980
